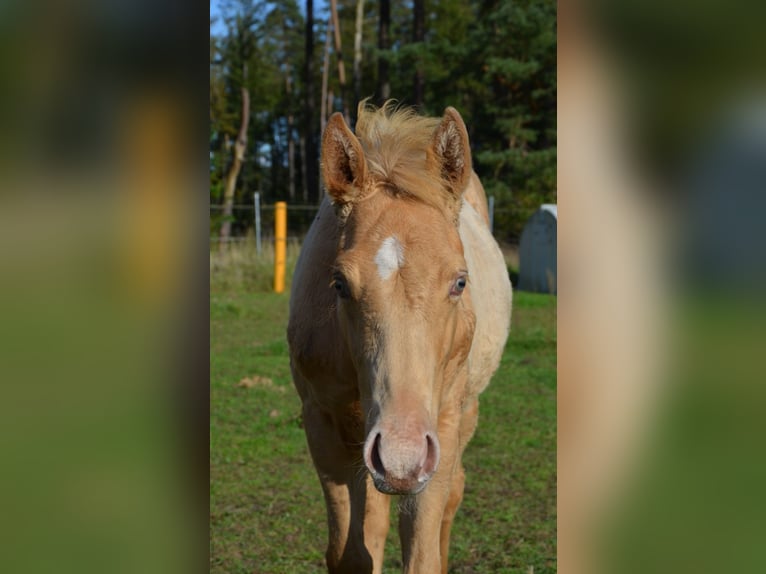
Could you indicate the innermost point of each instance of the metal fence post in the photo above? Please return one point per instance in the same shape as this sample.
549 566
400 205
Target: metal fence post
280 245
257 208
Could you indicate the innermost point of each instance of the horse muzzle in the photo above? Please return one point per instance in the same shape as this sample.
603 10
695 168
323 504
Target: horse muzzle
401 463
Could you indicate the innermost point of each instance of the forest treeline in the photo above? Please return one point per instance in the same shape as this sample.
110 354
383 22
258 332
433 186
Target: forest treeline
279 69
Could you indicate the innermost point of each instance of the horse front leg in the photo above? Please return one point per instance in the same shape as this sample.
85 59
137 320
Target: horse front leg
468 422
357 514
358 521
421 516
453 502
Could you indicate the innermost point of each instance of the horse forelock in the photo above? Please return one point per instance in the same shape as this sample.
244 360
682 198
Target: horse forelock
396 143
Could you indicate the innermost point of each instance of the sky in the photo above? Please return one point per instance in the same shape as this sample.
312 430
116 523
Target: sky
218 29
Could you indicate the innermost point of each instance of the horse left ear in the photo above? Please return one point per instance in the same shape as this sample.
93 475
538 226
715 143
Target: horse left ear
450 153
344 168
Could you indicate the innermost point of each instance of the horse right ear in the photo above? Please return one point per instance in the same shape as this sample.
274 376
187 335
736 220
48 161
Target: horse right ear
344 168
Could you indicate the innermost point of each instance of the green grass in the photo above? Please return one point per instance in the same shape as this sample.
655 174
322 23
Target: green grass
238 267
266 509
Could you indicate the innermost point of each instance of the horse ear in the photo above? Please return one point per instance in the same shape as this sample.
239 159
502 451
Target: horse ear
343 165
451 152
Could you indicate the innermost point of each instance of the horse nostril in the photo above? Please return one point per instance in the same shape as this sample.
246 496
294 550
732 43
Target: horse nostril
432 457
405 466
375 461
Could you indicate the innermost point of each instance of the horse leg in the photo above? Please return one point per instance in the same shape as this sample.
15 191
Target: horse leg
421 515
468 423
372 510
453 502
357 514
420 520
426 519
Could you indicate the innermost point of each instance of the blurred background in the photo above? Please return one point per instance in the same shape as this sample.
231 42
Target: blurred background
103 289
662 144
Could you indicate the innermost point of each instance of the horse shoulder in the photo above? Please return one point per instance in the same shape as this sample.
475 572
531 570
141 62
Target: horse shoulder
490 297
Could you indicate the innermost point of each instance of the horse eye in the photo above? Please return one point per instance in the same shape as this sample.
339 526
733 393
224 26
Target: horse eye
459 286
339 284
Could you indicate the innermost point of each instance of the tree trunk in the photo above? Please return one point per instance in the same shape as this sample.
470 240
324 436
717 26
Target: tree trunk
312 166
358 52
384 86
290 139
323 113
418 36
290 158
240 146
339 54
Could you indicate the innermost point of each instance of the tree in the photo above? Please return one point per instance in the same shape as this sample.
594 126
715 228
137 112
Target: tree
518 119
240 146
311 164
284 41
339 56
384 85
233 58
495 61
418 35
358 27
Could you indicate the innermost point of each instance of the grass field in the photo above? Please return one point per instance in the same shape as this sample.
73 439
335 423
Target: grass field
266 509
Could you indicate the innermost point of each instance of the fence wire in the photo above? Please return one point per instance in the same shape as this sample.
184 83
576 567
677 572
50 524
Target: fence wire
299 219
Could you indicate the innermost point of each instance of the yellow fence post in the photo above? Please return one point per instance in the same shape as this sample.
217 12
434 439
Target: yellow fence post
280 245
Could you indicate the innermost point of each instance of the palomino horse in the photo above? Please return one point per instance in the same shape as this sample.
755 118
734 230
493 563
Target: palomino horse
399 313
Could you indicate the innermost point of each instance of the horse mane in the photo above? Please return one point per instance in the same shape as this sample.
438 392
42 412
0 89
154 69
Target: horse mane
396 141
